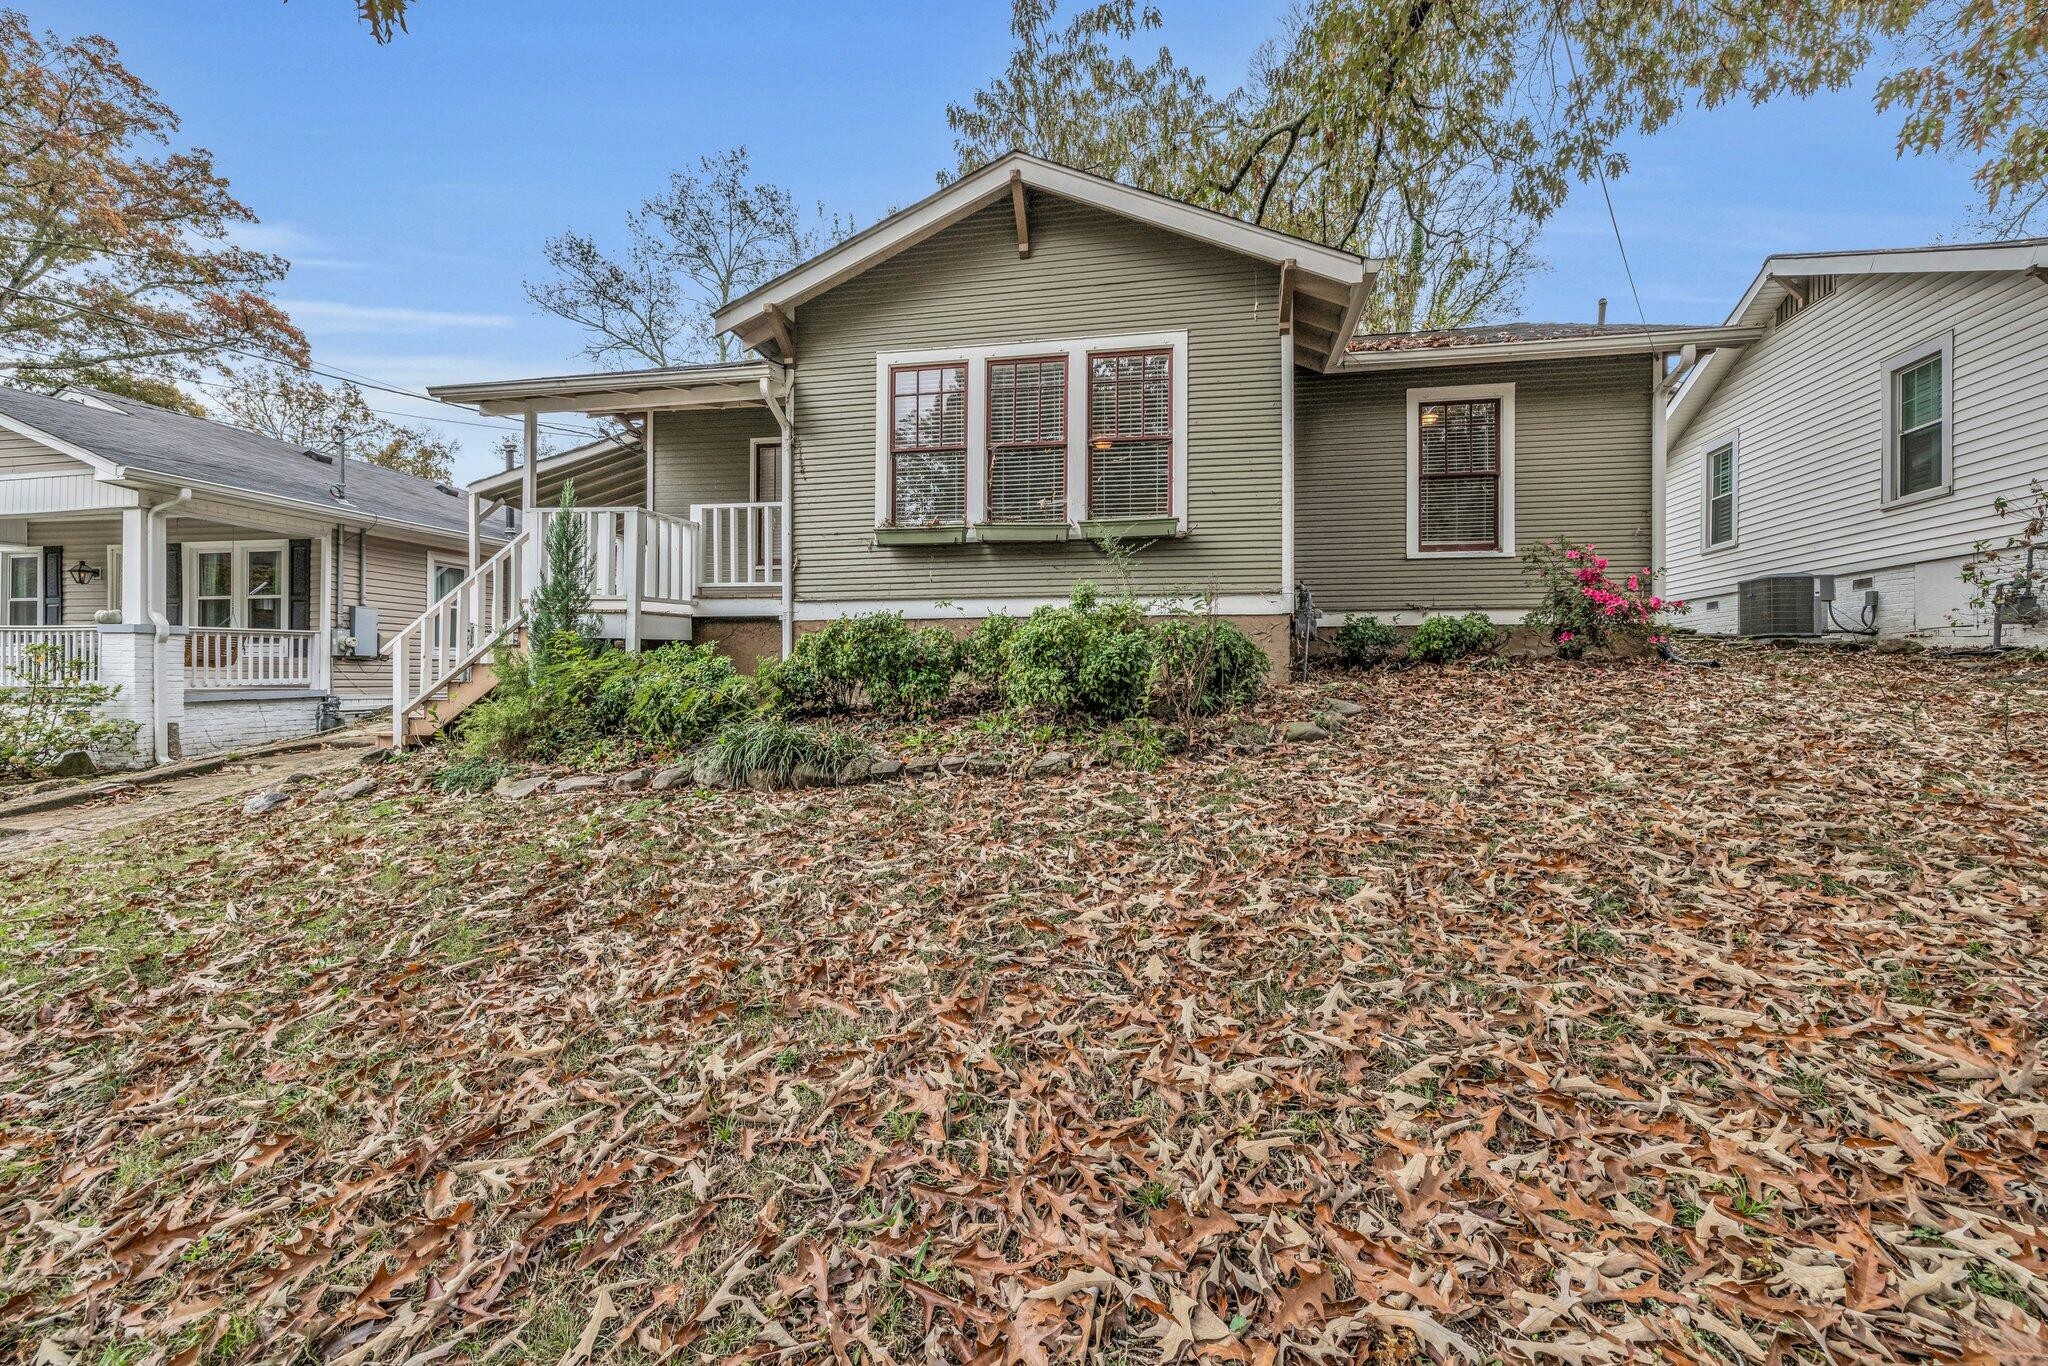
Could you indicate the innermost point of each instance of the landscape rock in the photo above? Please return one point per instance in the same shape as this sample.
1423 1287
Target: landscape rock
1303 730
1338 706
520 788
677 775
856 771
812 775
972 763
922 766
761 780
370 758
1245 735
706 770
74 764
884 768
361 787
1058 761
268 800
583 782
632 780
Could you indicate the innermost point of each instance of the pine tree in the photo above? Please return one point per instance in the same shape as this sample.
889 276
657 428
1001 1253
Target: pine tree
559 623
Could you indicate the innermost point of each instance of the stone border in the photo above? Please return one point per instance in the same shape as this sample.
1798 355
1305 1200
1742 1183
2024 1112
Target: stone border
89 791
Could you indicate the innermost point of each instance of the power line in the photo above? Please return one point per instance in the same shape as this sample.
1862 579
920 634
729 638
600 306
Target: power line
1613 221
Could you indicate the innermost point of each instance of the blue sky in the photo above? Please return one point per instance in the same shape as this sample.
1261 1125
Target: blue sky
412 185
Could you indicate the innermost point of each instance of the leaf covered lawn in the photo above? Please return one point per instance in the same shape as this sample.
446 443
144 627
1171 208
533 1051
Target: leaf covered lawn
1546 1011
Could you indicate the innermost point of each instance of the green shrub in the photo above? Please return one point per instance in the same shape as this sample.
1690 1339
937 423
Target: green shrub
982 652
875 657
668 698
1089 657
778 747
1364 641
1439 640
1204 665
470 773
54 712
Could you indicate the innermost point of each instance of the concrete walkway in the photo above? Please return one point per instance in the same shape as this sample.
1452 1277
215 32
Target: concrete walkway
98 812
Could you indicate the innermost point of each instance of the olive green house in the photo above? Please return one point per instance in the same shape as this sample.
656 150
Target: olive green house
1036 377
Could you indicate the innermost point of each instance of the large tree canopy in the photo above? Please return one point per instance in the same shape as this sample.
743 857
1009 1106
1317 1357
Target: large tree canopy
709 237
293 406
116 255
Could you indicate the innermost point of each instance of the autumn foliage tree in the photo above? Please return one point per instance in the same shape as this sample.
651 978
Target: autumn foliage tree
117 258
294 406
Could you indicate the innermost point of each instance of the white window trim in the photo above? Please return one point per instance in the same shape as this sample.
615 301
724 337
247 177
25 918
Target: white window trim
1076 350
7 598
1943 346
436 563
1505 393
238 582
113 576
1732 439
754 445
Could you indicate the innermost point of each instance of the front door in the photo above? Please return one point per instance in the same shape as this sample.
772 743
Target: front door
766 482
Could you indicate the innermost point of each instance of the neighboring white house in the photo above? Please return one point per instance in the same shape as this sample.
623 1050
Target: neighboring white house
1893 397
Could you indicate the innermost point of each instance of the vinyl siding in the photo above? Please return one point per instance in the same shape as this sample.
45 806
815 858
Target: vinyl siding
701 457
1808 403
21 455
394 581
1089 274
1582 469
88 541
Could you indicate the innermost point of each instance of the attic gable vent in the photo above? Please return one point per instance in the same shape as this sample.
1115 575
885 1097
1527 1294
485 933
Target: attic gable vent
1801 294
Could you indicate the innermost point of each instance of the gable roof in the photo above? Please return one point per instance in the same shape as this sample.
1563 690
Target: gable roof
1338 279
123 436
1777 280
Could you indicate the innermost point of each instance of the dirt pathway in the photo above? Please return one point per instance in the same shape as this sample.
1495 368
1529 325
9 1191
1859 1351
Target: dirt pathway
31 832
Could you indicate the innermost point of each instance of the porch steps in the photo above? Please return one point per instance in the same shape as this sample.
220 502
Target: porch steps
429 719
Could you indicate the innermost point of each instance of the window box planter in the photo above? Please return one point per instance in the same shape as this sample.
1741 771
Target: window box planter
920 535
1021 531
1131 528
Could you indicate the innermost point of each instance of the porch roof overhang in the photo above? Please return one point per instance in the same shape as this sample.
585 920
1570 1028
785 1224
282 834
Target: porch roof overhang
729 384
591 456
1639 343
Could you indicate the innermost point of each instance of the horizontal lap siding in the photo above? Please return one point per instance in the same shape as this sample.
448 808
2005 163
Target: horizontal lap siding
701 457
1089 274
1808 402
395 583
22 455
1582 470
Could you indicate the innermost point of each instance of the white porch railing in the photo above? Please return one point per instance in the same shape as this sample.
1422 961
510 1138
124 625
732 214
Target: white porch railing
742 544
458 630
217 658
72 643
620 538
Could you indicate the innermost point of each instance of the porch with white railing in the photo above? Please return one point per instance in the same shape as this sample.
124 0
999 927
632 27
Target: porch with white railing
741 546
38 655
219 659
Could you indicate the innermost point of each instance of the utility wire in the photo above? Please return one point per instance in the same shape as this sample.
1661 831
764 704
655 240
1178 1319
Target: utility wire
1613 221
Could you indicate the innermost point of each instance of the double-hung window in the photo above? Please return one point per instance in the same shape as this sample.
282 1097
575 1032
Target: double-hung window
24 589
1027 440
1918 439
1460 494
230 586
928 445
1720 520
1130 434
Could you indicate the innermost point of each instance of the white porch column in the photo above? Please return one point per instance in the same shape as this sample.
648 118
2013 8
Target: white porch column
475 528
530 486
323 621
140 562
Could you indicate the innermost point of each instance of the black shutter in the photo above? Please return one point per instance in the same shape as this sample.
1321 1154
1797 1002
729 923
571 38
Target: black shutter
174 584
299 586
53 585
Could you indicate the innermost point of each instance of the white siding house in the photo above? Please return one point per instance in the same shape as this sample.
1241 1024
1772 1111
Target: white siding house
1893 397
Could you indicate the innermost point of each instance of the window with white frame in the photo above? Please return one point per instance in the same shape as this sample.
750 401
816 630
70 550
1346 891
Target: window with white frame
1027 439
1130 434
236 586
928 445
1057 432
1720 496
1918 435
24 589
1461 470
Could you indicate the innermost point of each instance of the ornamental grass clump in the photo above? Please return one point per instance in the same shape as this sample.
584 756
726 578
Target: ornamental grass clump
1585 610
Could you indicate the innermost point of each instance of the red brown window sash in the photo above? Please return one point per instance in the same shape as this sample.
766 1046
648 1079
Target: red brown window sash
1054 447
1102 441
898 448
1448 479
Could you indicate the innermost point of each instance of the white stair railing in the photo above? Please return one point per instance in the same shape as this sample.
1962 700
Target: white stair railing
742 544
457 631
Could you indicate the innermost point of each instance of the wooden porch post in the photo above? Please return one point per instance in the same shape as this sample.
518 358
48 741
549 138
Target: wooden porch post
138 566
475 528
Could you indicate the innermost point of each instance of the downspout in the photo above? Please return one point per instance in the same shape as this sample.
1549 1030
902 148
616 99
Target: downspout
1659 451
782 409
160 726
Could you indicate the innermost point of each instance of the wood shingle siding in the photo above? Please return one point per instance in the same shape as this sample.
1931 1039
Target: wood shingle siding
1089 274
1809 404
1581 469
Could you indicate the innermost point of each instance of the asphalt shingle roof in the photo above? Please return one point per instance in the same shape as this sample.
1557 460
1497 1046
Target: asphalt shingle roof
1495 334
172 446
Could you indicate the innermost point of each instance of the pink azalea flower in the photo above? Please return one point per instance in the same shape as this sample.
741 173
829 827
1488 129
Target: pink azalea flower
1571 554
